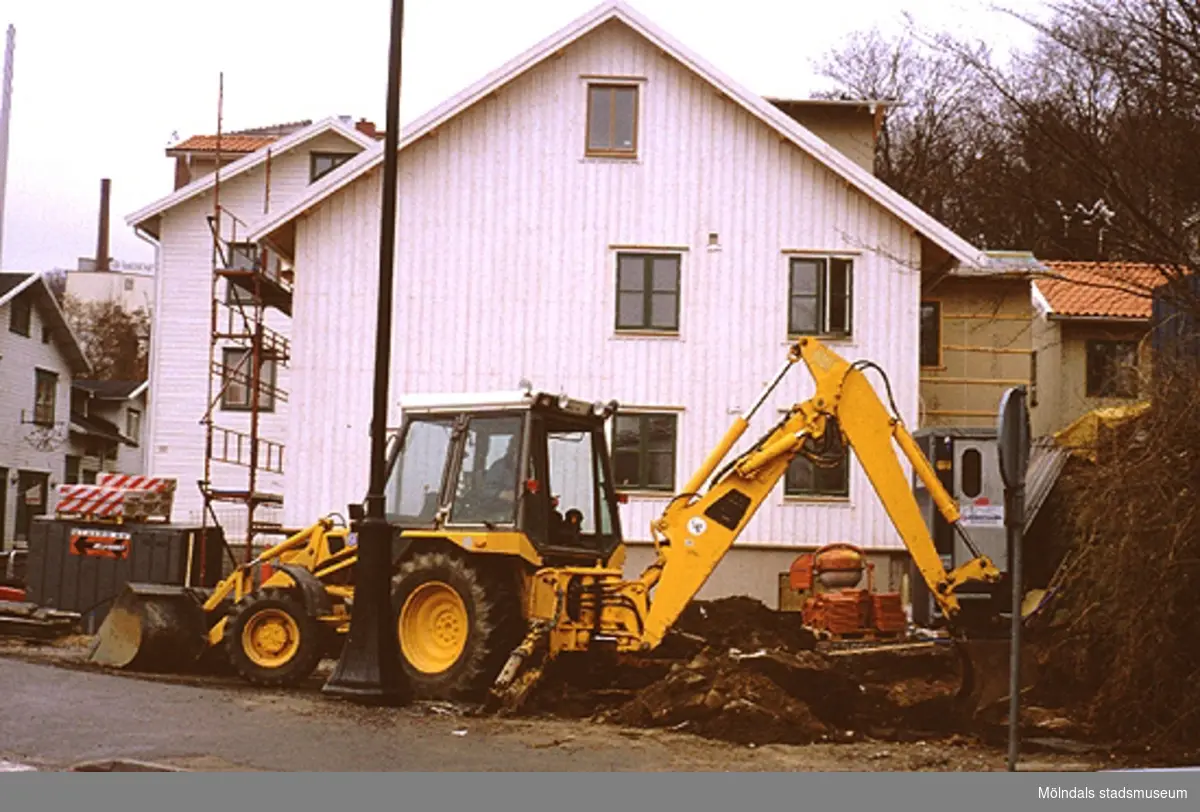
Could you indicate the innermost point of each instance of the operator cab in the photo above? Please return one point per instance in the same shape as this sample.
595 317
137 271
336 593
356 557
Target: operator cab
527 462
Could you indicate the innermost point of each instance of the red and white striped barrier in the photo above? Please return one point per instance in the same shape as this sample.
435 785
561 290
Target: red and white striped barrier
92 500
136 482
118 496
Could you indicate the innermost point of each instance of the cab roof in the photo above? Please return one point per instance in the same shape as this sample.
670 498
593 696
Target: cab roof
500 400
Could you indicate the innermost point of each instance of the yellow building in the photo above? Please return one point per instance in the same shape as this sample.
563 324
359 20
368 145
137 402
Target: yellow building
1090 352
976 342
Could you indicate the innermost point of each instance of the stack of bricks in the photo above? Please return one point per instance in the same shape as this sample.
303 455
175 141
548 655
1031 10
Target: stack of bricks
118 497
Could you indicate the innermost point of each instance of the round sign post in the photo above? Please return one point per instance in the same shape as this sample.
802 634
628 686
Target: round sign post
1014 444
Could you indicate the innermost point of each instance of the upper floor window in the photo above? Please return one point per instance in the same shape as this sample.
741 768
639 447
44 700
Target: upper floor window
322 163
20 315
931 334
612 120
644 452
819 296
133 425
238 373
45 396
648 292
1112 369
806 478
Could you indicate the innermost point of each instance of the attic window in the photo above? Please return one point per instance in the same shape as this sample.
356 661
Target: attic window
612 120
322 163
20 315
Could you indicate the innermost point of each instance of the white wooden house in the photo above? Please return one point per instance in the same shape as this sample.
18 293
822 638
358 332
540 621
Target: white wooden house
39 355
611 216
275 174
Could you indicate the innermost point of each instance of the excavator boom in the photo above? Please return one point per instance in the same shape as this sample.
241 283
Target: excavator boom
696 531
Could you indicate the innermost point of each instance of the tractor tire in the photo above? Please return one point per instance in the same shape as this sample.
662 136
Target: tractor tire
272 640
456 625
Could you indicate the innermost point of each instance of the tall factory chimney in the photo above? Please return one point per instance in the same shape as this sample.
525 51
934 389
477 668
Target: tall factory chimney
5 117
102 235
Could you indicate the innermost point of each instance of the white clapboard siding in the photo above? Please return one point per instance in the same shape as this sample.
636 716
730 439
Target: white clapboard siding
20 358
179 359
506 269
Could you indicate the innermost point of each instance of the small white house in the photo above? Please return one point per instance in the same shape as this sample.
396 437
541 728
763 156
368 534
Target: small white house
611 216
278 170
39 356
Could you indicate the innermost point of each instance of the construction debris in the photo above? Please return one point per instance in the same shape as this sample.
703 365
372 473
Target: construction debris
740 672
32 622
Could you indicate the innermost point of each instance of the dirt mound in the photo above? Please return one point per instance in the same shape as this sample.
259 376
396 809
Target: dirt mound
746 624
741 672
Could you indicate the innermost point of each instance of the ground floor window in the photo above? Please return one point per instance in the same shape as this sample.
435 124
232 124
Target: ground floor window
644 452
805 478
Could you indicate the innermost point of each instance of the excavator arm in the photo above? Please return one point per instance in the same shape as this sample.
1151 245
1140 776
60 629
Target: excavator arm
696 530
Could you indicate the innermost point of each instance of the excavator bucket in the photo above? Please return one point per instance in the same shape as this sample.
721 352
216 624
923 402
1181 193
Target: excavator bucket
985 673
151 627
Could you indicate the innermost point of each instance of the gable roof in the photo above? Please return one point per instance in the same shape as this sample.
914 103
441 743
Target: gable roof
840 164
1099 290
13 284
147 216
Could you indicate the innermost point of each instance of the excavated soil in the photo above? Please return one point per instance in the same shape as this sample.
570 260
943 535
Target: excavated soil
737 671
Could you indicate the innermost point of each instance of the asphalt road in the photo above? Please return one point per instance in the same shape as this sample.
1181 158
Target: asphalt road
53 717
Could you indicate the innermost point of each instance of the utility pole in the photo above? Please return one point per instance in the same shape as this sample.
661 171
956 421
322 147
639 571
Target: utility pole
5 118
369 668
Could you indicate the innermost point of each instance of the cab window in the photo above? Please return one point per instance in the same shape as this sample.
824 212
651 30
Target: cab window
415 481
486 490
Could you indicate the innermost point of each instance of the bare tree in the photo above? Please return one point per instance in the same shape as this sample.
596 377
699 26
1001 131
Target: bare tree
115 341
1081 148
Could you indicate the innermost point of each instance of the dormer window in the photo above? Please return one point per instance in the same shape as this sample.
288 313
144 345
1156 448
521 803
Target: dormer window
612 120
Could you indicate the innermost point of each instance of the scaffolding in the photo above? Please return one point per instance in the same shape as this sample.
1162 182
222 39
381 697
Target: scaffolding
247 283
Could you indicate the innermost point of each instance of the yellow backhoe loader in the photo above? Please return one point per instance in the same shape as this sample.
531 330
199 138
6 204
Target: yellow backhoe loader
508 546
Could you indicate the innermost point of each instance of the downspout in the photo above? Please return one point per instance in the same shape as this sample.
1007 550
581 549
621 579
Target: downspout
148 420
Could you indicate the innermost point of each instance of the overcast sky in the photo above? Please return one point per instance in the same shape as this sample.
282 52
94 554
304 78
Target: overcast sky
101 88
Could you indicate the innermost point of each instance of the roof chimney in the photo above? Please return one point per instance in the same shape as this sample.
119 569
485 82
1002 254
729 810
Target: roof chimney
102 237
367 128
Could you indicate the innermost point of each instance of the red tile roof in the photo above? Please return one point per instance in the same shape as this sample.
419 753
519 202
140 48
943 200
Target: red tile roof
229 143
1115 290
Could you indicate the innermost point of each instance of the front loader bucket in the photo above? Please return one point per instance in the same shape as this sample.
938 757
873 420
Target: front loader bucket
986 676
151 627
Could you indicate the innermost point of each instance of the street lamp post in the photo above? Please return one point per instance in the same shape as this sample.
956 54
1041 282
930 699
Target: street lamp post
369 668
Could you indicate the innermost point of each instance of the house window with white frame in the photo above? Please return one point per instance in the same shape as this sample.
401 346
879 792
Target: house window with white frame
238 374
133 425
648 293
45 397
643 451
820 296
804 478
